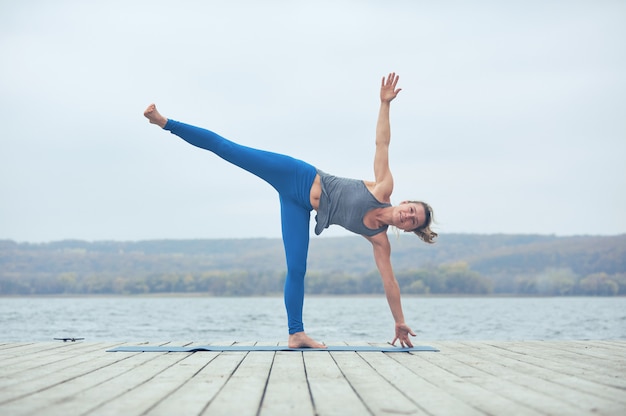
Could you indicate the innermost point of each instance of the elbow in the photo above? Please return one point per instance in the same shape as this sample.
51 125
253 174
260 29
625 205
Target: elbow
383 140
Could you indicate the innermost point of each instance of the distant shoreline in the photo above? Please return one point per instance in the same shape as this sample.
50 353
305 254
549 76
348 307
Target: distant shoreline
280 295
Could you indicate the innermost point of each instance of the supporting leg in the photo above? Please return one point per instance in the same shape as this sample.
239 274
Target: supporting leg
295 228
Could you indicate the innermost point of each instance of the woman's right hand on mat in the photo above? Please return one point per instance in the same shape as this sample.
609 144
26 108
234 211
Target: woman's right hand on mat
402 334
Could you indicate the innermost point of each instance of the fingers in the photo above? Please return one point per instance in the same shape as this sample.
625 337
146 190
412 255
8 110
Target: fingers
394 80
406 342
391 80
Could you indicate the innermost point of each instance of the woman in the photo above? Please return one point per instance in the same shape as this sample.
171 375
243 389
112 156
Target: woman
363 207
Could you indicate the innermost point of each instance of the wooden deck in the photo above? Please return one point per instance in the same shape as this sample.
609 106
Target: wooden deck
464 378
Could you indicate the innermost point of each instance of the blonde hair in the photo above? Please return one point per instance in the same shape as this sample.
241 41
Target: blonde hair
423 231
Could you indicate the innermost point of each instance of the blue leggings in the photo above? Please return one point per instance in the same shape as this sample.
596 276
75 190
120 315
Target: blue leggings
292 178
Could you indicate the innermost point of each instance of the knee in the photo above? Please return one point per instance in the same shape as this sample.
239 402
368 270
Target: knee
296 272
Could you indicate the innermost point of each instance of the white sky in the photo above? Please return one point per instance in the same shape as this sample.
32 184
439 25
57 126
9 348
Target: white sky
512 117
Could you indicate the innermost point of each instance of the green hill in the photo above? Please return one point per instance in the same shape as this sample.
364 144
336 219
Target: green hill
458 263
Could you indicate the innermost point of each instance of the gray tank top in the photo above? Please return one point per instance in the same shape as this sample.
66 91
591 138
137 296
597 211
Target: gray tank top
345 202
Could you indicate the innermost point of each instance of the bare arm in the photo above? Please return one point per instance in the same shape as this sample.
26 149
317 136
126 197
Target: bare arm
382 172
382 256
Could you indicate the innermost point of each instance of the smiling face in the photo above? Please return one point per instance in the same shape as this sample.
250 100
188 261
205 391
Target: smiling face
409 215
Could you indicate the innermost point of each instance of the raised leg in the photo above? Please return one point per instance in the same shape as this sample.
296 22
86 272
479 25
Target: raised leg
292 178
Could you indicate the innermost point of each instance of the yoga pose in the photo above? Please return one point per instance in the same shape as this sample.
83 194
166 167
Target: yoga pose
362 207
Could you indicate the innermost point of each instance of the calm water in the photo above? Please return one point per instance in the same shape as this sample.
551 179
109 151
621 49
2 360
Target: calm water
205 319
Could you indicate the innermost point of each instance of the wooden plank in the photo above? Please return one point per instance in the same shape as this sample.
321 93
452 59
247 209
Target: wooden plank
194 395
287 390
32 357
8 348
377 394
584 372
504 377
465 389
110 397
587 350
580 356
165 380
331 393
18 359
42 347
243 392
48 371
591 356
124 376
506 380
69 395
417 387
576 392
613 343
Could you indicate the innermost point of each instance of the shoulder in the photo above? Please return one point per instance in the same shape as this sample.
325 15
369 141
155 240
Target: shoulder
379 241
381 250
381 190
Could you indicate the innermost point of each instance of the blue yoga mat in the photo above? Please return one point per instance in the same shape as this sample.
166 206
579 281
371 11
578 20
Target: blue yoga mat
166 348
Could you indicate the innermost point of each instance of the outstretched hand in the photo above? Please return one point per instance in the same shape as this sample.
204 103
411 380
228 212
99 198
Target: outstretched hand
388 89
402 334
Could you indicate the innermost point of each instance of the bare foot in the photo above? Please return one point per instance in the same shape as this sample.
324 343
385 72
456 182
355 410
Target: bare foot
302 340
154 116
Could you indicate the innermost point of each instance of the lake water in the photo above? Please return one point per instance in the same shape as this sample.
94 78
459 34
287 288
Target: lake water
208 319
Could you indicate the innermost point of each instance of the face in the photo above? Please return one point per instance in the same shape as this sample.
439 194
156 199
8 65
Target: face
408 216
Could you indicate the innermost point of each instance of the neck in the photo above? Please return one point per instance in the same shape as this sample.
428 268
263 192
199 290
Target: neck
384 216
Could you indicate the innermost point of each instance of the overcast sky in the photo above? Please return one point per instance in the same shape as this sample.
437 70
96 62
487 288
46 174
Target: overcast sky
511 119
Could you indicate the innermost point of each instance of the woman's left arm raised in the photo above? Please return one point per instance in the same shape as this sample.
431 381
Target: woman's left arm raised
382 172
382 256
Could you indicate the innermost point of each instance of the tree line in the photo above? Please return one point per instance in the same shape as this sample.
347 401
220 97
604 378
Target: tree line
460 264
